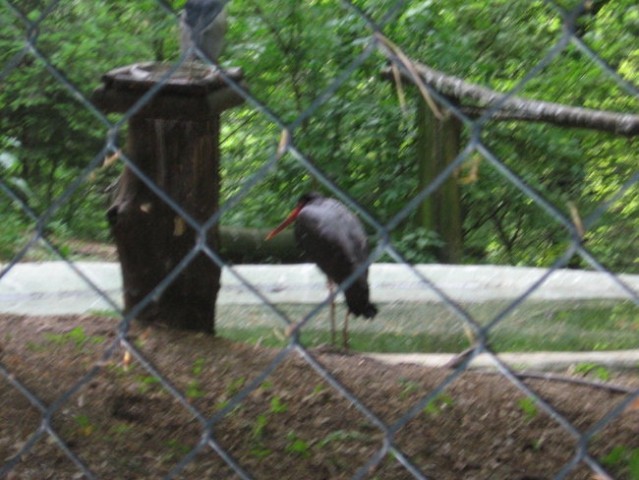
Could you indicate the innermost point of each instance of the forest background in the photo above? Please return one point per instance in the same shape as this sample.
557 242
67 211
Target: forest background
361 137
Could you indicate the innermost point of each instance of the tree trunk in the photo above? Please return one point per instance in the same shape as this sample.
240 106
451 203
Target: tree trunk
181 158
437 146
173 148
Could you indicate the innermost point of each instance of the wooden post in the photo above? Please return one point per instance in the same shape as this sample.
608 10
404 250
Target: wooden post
437 146
174 141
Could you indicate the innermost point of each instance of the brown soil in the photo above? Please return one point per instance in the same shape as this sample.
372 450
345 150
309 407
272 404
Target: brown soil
123 423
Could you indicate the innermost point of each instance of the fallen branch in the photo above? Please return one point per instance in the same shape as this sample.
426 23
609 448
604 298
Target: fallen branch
517 108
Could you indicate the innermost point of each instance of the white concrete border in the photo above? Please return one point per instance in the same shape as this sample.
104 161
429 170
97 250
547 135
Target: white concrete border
54 288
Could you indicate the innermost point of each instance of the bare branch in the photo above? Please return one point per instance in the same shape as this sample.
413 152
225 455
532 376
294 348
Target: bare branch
516 108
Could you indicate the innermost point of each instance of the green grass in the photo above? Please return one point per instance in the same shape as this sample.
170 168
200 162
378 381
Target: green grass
534 326
431 328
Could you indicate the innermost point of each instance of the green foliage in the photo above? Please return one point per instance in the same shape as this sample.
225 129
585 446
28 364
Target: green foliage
624 458
147 383
277 406
259 430
528 407
344 436
357 134
260 426
297 445
547 325
194 390
601 373
76 336
409 387
438 404
84 424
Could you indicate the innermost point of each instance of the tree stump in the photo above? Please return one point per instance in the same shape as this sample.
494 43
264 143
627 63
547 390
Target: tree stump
173 144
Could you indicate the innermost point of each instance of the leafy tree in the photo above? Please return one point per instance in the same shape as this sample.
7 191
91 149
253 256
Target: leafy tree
292 52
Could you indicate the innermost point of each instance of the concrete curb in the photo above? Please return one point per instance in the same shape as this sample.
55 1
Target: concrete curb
617 359
54 288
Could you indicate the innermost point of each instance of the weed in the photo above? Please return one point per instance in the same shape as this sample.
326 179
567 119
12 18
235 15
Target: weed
120 429
438 404
85 427
408 387
343 436
598 371
235 386
528 406
260 427
277 406
147 382
76 336
297 445
198 366
623 458
194 390
260 451
35 347
177 450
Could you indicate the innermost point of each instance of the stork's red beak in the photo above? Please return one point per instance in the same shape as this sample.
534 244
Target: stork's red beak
287 221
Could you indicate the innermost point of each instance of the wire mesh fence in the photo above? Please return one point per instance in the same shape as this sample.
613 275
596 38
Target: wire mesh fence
384 452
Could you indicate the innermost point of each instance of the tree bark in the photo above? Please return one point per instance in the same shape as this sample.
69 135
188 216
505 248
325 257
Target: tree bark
152 239
516 108
437 146
172 148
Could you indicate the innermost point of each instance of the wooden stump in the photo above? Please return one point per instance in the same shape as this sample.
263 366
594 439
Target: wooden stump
173 143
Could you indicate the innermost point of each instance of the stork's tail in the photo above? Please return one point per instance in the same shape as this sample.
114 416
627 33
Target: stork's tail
359 303
369 311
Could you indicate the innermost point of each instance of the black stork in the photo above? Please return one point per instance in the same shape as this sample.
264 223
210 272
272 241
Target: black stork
332 237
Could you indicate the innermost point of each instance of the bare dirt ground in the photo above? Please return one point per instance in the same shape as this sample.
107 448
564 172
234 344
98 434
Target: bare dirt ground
124 424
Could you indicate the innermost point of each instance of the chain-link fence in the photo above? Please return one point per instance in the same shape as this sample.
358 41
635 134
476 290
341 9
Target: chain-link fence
370 437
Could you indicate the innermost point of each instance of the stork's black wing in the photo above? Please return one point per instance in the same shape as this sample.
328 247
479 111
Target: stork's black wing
336 241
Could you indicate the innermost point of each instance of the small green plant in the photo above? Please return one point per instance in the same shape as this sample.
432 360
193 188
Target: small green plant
598 371
528 406
260 427
623 458
235 386
198 366
408 387
277 406
194 387
35 347
538 444
147 382
438 404
194 390
258 449
120 428
297 445
177 450
266 385
76 336
319 388
85 427
343 436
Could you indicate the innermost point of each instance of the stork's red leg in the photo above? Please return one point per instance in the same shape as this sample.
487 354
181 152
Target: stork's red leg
331 289
345 331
